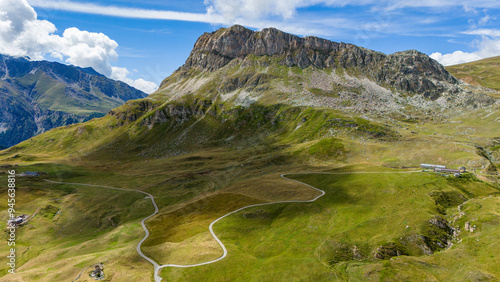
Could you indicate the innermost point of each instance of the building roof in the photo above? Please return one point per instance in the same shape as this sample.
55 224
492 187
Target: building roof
432 166
17 219
30 173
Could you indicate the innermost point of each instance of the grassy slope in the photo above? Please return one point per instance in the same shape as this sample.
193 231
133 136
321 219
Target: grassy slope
362 210
92 225
50 92
200 168
483 72
194 189
173 181
300 241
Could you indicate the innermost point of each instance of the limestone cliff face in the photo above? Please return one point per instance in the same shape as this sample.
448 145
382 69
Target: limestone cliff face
409 71
214 50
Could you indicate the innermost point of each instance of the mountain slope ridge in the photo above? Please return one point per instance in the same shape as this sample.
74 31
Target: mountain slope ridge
215 50
242 67
36 96
484 72
264 95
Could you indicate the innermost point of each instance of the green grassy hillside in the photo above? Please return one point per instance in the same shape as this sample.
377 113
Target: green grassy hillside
54 95
74 228
210 142
221 159
339 236
304 134
483 72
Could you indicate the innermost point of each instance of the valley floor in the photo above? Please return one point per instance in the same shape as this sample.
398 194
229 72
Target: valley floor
337 236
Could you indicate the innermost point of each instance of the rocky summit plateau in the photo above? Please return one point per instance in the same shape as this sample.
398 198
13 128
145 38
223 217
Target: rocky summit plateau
271 66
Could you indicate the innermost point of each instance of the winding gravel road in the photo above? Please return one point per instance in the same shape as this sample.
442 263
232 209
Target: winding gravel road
157 267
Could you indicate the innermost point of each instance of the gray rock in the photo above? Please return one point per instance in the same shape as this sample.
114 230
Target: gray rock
408 71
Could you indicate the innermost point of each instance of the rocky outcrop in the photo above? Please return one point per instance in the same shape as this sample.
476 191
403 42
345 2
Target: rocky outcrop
413 71
438 233
390 250
132 110
150 114
214 50
469 227
434 236
408 71
36 96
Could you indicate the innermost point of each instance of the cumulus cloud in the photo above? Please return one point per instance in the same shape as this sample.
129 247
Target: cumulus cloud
455 58
22 34
122 75
486 47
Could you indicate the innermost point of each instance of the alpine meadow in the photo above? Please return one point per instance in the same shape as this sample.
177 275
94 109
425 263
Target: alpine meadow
266 157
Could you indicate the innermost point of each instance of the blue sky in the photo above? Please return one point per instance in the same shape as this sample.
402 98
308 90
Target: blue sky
142 42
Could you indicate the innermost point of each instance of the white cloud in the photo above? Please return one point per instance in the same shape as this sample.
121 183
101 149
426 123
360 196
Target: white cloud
141 84
22 34
484 20
484 32
455 58
280 13
487 47
144 85
255 9
127 12
263 13
89 49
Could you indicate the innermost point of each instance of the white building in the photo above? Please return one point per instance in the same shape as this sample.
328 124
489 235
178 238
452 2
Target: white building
431 166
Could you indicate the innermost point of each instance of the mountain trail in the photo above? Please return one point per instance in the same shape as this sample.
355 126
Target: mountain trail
158 267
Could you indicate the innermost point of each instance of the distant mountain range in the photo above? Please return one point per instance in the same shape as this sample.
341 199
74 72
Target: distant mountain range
36 96
234 71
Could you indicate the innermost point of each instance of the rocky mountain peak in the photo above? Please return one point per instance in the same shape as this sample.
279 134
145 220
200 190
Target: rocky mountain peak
415 62
409 71
214 50
413 71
